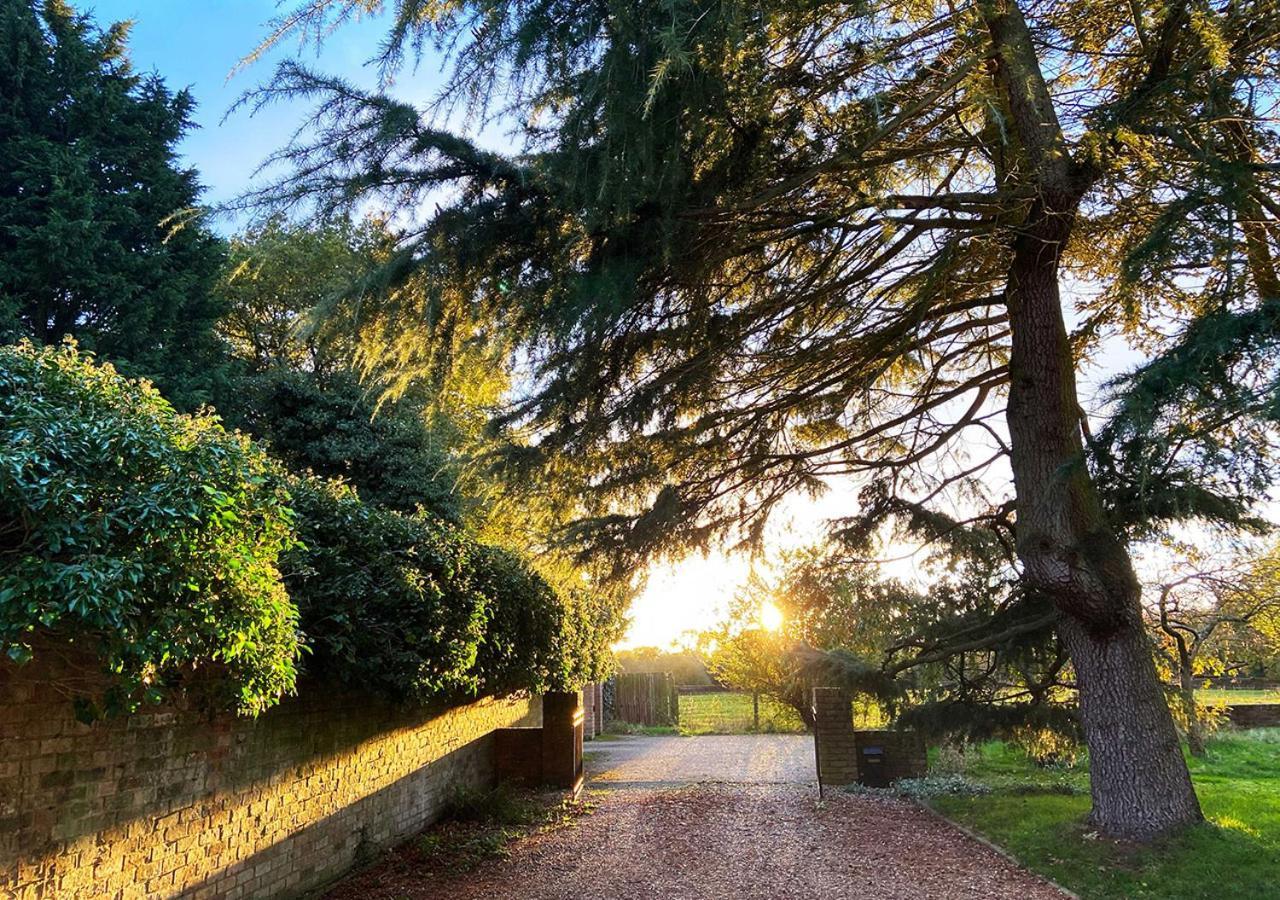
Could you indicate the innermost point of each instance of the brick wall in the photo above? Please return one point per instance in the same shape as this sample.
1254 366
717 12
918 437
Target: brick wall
843 756
1256 715
172 802
903 756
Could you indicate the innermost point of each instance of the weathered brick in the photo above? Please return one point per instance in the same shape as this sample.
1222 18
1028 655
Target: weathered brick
169 803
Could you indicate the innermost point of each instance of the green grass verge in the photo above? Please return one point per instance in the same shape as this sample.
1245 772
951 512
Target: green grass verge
1238 697
1037 815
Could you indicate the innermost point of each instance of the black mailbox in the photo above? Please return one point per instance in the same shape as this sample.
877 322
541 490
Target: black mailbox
871 772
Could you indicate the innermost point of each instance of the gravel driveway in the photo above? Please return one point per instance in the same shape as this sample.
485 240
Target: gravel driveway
718 839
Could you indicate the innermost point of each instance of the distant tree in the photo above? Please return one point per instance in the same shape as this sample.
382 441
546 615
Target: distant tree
684 665
955 660
96 239
280 279
1210 618
747 246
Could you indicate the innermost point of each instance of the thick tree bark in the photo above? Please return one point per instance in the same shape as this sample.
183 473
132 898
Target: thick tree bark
1139 781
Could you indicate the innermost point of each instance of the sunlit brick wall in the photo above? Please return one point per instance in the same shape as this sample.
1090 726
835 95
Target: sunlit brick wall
175 803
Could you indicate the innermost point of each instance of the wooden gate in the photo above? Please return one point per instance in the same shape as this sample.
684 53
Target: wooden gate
646 698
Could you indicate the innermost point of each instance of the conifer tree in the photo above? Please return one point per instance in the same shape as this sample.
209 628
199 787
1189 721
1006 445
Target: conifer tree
746 247
89 185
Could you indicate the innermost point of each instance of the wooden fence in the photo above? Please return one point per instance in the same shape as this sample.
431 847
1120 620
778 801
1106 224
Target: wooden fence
647 698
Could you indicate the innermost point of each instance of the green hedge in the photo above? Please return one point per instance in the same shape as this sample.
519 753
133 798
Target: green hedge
162 538
150 535
385 598
414 609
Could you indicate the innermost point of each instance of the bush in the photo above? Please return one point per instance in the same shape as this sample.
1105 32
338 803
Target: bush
153 534
161 538
333 427
415 609
525 644
387 600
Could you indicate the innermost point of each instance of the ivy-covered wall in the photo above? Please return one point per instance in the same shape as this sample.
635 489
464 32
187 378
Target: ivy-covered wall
171 802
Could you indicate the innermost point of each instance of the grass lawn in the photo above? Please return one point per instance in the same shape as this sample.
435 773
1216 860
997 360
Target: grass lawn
1037 815
1233 696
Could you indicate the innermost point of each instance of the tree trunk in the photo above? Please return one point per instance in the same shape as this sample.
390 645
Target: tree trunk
1187 694
1139 781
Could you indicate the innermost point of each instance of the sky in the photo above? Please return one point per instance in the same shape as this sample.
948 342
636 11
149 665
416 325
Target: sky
197 45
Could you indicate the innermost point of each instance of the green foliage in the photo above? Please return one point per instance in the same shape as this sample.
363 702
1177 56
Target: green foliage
536 638
149 535
415 609
928 787
281 278
89 187
385 599
331 426
398 591
158 540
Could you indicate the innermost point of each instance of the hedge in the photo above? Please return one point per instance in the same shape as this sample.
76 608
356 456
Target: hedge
151 536
173 546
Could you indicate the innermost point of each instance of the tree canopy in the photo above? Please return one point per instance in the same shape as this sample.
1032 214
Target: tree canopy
747 247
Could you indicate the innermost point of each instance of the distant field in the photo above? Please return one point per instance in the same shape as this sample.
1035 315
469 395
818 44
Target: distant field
731 713
1236 697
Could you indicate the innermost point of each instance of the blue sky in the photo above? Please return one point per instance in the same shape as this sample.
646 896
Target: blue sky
196 45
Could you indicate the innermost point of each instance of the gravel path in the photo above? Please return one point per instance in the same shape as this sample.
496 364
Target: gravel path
727 759
706 842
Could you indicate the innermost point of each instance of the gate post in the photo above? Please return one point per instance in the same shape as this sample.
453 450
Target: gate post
562 720
833 735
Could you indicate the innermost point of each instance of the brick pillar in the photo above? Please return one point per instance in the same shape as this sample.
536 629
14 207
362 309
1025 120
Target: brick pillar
833 731
562 720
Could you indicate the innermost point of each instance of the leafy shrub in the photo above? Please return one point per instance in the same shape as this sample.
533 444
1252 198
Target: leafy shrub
939 786
1046 746
153 534
161 538
948 785
415 609
387 600
525 645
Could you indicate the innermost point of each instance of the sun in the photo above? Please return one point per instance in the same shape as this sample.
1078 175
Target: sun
770 617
